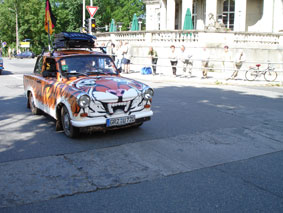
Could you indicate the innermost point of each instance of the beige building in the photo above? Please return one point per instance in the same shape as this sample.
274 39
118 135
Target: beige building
236 15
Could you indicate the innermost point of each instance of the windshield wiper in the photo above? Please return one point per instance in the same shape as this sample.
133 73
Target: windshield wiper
96 73
76 73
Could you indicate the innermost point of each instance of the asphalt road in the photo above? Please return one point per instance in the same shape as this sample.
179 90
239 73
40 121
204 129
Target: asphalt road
207 147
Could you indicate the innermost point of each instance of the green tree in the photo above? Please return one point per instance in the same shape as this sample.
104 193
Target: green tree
8 22
31 16
125 11
32 24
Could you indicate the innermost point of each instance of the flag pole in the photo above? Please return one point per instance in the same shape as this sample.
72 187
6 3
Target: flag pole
49 39
50 20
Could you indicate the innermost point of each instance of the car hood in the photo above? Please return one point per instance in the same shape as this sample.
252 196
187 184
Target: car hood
110 89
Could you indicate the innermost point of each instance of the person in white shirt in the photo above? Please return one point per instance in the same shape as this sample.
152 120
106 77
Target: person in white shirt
186 60
227 59
127 57
119 54
173 59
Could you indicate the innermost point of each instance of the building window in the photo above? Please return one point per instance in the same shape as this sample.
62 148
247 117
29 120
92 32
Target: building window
194 14
158 19
229 13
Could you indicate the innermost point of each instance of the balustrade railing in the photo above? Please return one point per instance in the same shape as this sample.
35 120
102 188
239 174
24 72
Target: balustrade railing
196 38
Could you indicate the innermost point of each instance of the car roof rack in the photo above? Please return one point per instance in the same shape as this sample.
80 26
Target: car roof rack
73 40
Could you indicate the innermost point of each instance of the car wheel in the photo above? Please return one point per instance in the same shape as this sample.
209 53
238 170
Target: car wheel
68 128
33 108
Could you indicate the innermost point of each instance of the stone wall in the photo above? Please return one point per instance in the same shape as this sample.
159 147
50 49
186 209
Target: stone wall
258 47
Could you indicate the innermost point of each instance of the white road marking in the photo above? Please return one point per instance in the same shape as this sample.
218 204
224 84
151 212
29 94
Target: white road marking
17 76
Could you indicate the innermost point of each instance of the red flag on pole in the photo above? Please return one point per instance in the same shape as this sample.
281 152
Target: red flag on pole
50 20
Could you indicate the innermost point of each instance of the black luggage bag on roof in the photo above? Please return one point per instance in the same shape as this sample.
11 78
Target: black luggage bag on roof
73 40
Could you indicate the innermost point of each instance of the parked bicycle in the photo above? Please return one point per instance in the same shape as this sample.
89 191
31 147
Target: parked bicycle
268 73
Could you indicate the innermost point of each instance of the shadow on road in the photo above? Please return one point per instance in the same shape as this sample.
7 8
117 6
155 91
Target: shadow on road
177 111
6 72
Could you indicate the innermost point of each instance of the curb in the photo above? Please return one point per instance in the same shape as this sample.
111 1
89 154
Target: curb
197 80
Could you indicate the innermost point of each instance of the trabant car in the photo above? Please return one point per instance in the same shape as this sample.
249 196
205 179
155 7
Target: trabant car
83 88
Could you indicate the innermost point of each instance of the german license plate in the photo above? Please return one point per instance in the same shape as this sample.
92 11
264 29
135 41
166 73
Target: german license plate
120 121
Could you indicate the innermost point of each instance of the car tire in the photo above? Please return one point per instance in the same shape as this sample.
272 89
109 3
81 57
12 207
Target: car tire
33 108
68 128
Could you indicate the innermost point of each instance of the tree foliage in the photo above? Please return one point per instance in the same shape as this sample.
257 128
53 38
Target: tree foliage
69 17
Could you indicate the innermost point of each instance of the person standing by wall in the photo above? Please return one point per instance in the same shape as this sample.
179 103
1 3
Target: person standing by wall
154 58
186 59
113 51
239 60
227 58
204 62
127 57
173 60
119 53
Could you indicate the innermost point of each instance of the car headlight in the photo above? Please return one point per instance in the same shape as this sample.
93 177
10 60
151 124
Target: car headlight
148 94
84 101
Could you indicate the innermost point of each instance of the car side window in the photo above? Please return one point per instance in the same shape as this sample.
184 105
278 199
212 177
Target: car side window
38 66
50 65
49 69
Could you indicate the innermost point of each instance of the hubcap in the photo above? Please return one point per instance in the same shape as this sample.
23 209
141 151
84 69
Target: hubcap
31 102
66 121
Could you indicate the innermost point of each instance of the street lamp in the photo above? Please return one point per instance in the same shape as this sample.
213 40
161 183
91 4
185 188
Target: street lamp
140 23
120 24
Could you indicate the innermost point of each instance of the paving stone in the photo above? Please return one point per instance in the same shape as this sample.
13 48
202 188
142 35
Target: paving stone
32 180
45 178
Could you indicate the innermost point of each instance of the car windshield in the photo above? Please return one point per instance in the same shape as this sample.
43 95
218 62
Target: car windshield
88 65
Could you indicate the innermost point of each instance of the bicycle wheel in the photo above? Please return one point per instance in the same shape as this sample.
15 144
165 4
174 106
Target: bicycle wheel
270 75
251 75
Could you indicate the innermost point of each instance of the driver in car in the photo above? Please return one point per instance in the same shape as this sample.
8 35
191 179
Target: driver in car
89 66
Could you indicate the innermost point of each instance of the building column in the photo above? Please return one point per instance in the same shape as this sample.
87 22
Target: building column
171 7
211 7
240 15
278 8
163 16
148 17
268 16
185 5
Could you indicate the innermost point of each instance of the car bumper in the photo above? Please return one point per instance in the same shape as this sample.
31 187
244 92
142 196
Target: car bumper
102 121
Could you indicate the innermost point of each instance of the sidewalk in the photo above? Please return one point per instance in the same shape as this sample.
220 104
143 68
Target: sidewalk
214 78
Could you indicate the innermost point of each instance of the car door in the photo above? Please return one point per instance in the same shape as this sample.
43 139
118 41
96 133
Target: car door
48 83
35 82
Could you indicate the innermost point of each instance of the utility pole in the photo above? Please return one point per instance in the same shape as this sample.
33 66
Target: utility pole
83 13
17 28
17 25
